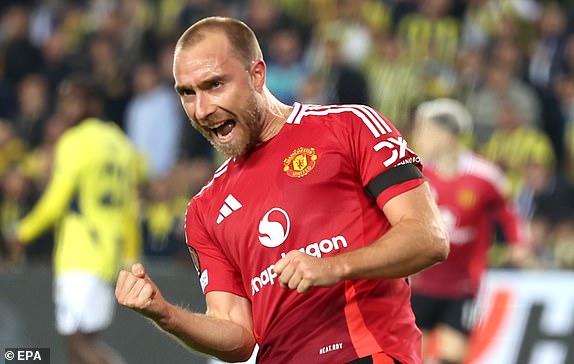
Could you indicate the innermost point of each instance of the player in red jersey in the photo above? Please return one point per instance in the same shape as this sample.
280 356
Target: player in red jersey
302 239
468 192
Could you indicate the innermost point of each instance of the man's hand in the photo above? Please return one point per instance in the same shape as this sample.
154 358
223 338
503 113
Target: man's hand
15 248
301 271
135 290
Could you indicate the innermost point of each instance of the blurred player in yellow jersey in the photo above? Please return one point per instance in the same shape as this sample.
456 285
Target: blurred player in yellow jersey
92 200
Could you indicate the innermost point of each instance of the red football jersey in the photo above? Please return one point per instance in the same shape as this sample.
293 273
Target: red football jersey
305 189
471 202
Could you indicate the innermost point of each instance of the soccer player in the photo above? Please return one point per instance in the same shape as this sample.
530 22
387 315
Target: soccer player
92 197
469 194
304 236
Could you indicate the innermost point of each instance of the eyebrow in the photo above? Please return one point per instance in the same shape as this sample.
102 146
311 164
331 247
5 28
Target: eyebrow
203 85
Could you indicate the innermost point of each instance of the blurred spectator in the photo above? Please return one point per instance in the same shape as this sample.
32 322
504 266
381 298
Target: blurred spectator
343 83
569 151
558 112
109 69
154 119
37 164
349 29
513 144
500 83
312 91
160 222
265 18
73 26
394 81
12 148
166 200
568 55
193 10
20 56
548 48
431 31
18 199
469 68
12 151
33 109
546 200
59 61
15 201
487 19
507 53
285 69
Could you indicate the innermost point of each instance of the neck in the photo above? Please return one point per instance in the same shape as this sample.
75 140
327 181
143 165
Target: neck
446 163
275 114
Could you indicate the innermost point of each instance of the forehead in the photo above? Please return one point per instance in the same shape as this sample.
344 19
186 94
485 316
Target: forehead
213 55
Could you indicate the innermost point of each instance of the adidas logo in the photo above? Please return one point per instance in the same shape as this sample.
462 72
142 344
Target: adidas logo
231 204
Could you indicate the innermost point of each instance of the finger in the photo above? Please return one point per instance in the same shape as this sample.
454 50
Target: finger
145 296
138 270
120 281
304 286
294 281
287 258
280 265
125 286
285 276
133 295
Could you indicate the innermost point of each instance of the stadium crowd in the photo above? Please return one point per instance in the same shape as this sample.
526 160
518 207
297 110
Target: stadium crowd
511 62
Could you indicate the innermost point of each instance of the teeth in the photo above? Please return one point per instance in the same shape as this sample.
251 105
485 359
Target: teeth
217 125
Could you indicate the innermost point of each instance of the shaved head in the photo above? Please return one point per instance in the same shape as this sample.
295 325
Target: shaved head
243 41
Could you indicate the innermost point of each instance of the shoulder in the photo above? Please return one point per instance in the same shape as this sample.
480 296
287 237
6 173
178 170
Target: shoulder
215 181
340 114
481 168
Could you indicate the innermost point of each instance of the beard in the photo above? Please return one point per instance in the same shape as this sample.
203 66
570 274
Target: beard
248 126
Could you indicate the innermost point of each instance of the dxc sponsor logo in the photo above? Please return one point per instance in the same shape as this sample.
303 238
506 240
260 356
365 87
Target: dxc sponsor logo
398 147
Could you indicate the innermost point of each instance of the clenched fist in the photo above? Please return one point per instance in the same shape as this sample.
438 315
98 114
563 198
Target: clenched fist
301 271
135 290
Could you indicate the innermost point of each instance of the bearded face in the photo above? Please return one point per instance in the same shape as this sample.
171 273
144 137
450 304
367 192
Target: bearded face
219 94
233 134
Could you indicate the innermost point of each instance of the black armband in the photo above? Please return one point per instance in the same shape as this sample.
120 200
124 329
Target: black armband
392 177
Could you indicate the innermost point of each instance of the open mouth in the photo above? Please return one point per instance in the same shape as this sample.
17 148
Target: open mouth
223 130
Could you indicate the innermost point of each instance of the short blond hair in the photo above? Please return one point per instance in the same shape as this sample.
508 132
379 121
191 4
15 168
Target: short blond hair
241 38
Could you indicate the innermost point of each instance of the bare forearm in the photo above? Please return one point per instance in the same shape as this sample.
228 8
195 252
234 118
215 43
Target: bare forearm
209 335
406 248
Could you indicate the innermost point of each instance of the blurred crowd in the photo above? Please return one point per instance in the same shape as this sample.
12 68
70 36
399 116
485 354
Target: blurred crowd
511 62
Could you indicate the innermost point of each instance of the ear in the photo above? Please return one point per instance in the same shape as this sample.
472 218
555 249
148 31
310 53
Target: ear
258 73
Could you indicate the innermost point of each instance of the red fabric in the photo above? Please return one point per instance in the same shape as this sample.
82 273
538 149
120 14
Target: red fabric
304 189
471 202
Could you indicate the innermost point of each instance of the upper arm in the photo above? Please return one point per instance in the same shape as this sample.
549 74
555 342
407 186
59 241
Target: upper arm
229 306
416 203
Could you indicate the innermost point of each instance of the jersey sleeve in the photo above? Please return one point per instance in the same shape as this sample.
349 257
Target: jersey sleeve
385 163
58 193
215 271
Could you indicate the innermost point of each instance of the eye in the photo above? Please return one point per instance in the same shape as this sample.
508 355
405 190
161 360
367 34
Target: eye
187 92
217 84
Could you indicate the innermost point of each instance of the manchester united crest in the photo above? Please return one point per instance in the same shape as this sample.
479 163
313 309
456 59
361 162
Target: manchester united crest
467 198
300 162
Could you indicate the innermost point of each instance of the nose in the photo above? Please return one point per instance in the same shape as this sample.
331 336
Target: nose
203 106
